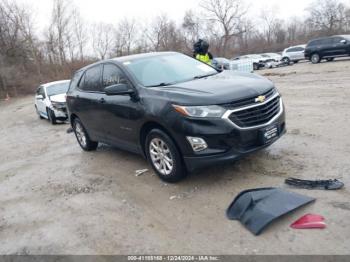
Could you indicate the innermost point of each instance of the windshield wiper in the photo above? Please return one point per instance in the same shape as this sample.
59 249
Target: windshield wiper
162 84
203 76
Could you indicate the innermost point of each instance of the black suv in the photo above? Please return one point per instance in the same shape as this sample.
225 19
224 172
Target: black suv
179 113
327 48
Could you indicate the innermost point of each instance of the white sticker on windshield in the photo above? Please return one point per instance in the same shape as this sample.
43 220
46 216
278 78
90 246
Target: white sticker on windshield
127 63
205 68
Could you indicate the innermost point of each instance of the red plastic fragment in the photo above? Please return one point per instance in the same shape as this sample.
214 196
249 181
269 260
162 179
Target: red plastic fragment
309 221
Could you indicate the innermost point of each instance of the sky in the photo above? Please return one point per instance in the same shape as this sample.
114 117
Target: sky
111 11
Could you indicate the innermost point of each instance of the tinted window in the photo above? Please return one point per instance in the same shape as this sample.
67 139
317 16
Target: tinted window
299 49
112 75
92 80
75 80
336 40
327 41
290 50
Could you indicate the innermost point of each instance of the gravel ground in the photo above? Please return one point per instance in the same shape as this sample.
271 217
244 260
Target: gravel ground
56 199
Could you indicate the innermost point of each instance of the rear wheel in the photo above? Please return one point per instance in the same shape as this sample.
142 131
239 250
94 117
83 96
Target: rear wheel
51 116
82 136
330 59
315 58
164 156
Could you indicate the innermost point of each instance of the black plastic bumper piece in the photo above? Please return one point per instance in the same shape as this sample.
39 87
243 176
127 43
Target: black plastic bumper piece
257 208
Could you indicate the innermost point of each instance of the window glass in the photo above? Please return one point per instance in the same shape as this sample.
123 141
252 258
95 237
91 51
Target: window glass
336 40
75 80
41 91
326 41
299 49
112 75
167 69
291 50
92 80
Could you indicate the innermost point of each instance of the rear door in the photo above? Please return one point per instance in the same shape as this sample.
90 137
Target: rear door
89 101
326 47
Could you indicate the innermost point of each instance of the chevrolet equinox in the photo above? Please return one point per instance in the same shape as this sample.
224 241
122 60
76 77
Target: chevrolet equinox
179 113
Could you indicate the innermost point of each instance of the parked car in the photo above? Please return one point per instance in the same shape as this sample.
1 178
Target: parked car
272 59
257 60
327 48
242 65
221 63
293 54
50 101
179 113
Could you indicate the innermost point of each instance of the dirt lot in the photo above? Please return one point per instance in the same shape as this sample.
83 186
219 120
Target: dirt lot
56 199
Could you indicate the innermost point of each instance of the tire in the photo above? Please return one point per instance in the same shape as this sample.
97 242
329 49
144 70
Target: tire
296 61
286 60
255 67
82 136
51 116
164 157
37 111
330 59
315 58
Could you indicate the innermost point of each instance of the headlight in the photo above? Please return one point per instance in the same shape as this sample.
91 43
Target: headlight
200 111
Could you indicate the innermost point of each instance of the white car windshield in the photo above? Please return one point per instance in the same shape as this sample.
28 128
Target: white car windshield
56 89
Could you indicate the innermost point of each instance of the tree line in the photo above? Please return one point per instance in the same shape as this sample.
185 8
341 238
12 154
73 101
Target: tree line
28 58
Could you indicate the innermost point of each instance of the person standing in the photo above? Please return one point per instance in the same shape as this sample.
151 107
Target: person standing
201 51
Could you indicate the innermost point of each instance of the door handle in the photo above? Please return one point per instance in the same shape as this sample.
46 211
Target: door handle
102 100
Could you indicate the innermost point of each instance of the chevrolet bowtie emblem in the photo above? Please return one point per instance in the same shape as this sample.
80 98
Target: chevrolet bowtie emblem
260 99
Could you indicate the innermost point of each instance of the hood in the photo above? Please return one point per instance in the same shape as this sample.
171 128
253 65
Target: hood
225 87
59 98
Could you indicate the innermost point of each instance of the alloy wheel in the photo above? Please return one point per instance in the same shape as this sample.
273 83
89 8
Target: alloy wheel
161 156
79 131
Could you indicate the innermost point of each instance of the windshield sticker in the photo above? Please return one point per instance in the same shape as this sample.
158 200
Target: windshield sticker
205 68
127 63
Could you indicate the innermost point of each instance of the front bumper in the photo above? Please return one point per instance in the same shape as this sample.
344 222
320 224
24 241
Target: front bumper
226 142
60 113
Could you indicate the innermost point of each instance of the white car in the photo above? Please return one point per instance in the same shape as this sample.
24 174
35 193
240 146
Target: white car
257 60
50 101
293 54
272 59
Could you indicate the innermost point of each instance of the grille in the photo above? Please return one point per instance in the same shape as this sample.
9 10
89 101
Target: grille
257 115
248 101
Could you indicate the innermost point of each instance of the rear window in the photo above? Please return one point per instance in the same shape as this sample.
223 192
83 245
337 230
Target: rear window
91 81
75 80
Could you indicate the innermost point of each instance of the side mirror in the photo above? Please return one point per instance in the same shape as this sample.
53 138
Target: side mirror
40 97
118 89
343 41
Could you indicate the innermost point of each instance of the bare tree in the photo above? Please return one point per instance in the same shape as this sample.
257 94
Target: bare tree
327 16
102 39
227 14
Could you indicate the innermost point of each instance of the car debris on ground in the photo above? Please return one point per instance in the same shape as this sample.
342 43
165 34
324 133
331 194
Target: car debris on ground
257 208
331 184
140 172
309 221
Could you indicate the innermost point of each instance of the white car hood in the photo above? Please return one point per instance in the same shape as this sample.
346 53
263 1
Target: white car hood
58 98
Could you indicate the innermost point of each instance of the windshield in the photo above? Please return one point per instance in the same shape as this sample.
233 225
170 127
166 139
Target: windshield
167 69
56 89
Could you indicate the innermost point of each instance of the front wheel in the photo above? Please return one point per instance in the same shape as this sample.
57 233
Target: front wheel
51 116
82 136
315 58
286 60
164 156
